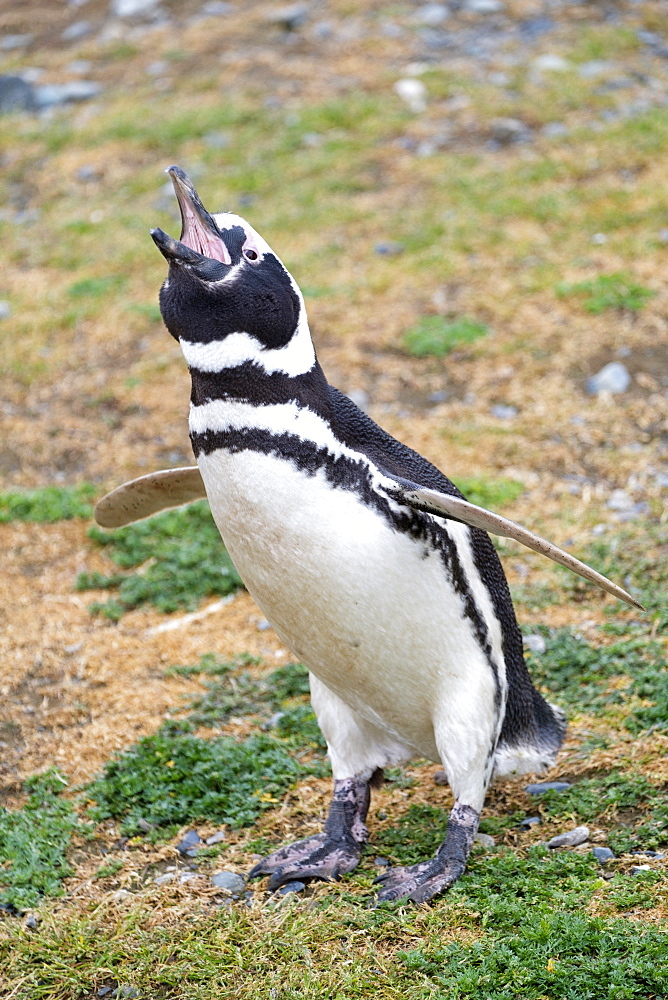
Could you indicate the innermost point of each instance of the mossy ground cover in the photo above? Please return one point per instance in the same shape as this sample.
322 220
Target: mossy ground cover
553 246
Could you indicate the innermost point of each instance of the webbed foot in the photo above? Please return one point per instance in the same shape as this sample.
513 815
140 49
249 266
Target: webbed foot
422 882
329 854
317 857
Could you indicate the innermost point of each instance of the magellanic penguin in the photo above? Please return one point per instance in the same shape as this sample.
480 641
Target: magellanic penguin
367 561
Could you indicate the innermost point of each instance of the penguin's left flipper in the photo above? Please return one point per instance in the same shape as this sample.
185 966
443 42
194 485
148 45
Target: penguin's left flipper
149 495
457 509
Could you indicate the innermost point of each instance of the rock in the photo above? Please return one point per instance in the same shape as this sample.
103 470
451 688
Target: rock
503 412
16 95
229 880
530 821
440 396
550 62
79 29
485 840
507 131
132 8
571 838
637 869
104 991
620 500
535 643
613 377
388 249
189 841
144 825
215 838
9 42
289 18
381 862
291 887
412 92
602 854
432 14
484 6
49 95
547 786
440 778
553 130
164 878
595 67
5 310
360 398
216 8
30 922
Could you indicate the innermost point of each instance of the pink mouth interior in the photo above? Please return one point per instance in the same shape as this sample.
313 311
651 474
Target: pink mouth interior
197 237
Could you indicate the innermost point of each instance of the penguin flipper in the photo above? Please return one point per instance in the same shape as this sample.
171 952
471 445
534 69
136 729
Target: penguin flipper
148 495
457 509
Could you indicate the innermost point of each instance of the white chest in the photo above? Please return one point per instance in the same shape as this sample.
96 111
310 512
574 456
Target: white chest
370 611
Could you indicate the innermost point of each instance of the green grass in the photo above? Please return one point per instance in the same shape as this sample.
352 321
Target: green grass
575 672
34 842
48 504
434 336
492 493
521 926
608 291
178 558
170 779
174 777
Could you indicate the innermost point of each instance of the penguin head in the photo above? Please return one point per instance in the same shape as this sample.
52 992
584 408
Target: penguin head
225 283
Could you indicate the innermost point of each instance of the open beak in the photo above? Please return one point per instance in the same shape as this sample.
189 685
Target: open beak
200 237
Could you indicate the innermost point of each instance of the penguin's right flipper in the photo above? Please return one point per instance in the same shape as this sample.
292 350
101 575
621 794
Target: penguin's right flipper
149 495
458 509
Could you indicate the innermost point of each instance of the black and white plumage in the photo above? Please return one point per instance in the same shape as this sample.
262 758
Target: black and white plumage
359 552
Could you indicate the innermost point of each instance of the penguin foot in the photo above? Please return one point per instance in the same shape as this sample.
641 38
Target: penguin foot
420 883
330 854
318 857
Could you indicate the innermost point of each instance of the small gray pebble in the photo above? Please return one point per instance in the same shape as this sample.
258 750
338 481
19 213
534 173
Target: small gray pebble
440 778
381 862
602 854
190 840
76 30
503 412
485 840
16 94
215 838
165 878
613 378
228 880
360 398
5 310
571 838
104 991
30 921
292 887
530 821
484 6
439 396
388 249
506 131
132 8
637 869
535 643
144 825
9 42
547 786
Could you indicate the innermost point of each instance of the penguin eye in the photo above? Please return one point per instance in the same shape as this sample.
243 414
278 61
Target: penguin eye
250 254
